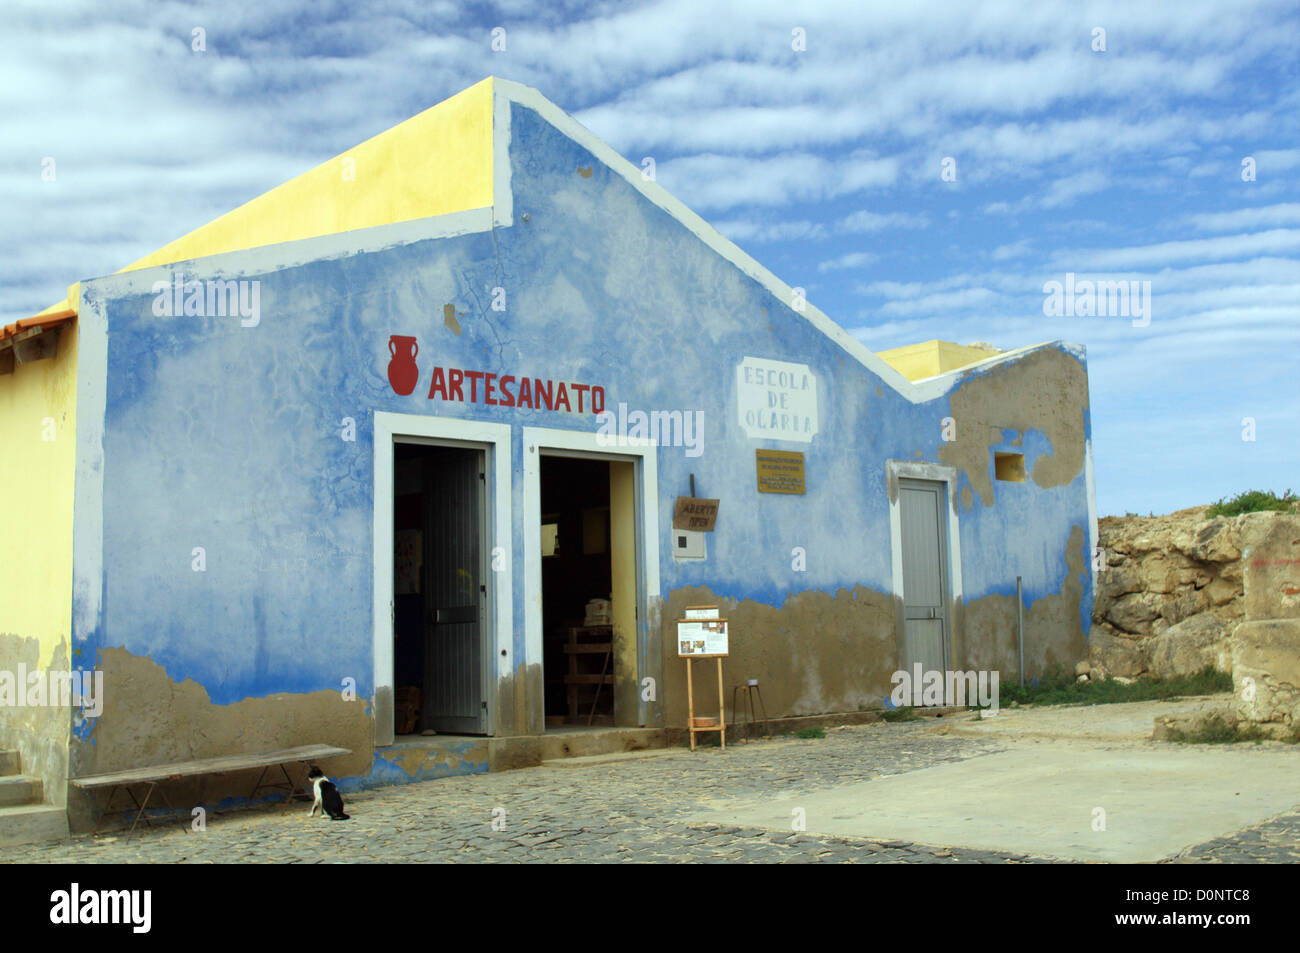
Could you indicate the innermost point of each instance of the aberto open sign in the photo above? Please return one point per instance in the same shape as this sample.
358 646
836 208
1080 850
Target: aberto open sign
693 513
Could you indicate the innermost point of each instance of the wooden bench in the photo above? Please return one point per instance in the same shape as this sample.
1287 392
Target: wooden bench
151 777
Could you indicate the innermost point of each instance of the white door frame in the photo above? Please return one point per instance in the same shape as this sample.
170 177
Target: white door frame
896 470
538 440
494 439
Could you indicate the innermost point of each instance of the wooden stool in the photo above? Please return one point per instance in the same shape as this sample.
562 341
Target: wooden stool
751 715
581 675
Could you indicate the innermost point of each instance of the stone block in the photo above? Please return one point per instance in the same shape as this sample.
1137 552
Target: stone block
1166 727
1221 591
1271 584
1134 612
1190 646
1184 605
1216 542
1160 574
1266 670
1116 654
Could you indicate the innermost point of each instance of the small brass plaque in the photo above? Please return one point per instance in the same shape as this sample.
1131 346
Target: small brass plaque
779 471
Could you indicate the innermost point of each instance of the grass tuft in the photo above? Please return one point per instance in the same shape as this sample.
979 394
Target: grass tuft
1214 729
1059 687
1255 501
904 713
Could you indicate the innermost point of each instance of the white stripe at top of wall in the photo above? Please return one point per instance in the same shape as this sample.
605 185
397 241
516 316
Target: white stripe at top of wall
88 486
506 91
268 258
503 193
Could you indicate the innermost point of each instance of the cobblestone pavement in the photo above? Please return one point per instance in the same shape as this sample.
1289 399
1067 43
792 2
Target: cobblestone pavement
1276 841
627 811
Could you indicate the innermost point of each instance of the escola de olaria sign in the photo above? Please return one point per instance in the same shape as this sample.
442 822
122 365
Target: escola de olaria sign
777 400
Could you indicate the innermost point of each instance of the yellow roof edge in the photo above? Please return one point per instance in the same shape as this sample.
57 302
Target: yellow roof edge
317 202
68 303
931 358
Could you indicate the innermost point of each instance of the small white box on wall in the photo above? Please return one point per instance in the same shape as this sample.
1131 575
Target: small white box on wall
689 544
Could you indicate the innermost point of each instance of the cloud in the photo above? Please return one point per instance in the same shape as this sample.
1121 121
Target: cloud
1274 241
1014 250
721 182
1268 160
742 230
863 221
852 260
1287 213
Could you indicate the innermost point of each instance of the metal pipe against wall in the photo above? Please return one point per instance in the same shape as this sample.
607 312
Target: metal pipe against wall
1020 630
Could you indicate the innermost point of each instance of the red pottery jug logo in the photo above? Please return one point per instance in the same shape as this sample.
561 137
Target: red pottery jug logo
402 370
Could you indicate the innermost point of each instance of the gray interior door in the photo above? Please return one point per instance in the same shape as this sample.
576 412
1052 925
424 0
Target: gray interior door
454 604
922 506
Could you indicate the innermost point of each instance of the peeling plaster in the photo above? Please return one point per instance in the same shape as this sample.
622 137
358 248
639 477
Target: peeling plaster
449 318
1045 390
149 719
1054 635
819 652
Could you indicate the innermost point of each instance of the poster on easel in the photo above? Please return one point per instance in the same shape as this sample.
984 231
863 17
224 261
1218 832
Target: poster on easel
702 634
701 638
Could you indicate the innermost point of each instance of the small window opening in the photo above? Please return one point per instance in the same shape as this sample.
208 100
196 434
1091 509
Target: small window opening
1009 467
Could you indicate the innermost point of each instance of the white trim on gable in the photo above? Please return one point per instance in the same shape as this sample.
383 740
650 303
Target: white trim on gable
264 259
503 192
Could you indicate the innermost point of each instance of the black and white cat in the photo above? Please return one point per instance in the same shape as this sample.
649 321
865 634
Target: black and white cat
328 800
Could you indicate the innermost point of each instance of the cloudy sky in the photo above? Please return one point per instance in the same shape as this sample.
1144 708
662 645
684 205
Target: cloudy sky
922 169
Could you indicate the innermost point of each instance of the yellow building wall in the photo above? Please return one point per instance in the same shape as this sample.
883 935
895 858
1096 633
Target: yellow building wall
931 358
622 545
437 162
38 417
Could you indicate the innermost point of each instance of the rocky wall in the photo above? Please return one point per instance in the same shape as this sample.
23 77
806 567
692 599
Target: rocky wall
1173 590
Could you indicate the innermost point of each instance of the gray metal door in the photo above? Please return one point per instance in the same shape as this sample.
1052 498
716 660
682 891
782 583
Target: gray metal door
923 511
454 600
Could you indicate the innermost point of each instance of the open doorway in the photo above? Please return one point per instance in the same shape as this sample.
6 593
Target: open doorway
439 590
588 577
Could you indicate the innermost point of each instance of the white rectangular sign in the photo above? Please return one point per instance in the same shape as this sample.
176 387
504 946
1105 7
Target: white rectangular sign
777 400
701 612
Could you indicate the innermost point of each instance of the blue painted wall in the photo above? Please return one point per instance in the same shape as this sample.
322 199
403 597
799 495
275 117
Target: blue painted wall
228 438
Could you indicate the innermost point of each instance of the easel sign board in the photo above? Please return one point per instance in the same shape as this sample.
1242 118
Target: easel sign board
701 638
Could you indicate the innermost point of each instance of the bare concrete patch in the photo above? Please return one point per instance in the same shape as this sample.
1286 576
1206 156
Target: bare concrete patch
1077 783
1121 723
1047 800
